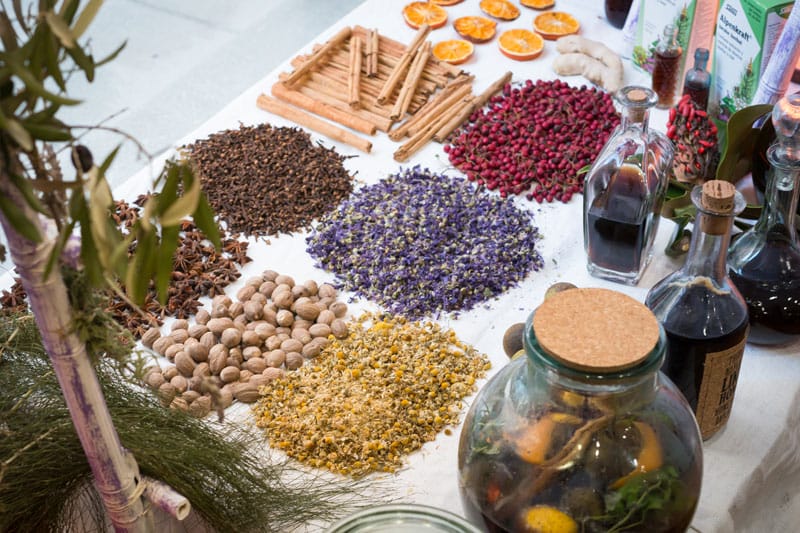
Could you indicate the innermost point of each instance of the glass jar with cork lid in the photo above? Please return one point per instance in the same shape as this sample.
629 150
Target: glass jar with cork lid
585 433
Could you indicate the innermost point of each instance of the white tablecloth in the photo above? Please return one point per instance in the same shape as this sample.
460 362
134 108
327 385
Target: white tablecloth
752 467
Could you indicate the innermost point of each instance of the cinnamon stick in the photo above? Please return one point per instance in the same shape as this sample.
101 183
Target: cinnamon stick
354 74
335 41
402 63
396 49
426 133
372 53
319 94
297 99
458 87
309 121
412 80
476 103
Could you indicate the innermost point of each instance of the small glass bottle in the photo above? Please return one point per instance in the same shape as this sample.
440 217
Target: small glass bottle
698 81
617 12
560 437
666 68
764 262
623 192
702 312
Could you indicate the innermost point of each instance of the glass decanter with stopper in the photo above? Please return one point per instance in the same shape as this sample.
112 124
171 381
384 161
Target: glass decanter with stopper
703 315
623 192
764 262
582 433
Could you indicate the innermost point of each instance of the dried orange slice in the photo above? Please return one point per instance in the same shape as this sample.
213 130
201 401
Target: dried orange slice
447 2
475 29
521 45
500 9
555 24
538 4
418 13
454 51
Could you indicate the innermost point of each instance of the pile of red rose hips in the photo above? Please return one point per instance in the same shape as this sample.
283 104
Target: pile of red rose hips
534 139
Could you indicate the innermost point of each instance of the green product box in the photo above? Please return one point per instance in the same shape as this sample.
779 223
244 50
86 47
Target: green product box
654 16
746 33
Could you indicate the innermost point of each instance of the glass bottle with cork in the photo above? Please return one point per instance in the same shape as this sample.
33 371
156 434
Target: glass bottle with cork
583 421
666 67
702 312
698 81
623 192
764 262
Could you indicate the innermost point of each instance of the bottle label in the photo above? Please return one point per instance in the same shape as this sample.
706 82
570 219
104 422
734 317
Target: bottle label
715 399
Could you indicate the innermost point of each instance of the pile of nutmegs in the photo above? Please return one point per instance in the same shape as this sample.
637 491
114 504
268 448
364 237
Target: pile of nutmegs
273 326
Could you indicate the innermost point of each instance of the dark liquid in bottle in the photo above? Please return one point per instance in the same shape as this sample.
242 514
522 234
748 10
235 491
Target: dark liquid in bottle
665 77
617 12
616 223
770 284
698 93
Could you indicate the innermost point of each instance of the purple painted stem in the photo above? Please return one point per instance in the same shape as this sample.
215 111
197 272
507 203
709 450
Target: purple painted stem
781 63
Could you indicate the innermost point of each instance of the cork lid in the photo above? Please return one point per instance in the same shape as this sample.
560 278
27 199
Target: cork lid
719 197
596 330
637 95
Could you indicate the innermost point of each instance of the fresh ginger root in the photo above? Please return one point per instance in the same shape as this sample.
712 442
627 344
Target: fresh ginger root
591 59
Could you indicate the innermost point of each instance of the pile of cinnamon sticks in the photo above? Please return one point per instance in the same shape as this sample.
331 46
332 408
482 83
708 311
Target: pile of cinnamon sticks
367 82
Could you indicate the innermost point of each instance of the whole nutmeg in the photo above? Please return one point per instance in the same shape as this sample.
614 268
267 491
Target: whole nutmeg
251 338
258 298
275 358
245 375
291 345
202 316
246 393
218 325
294 361
258 380
311 350
265 330
311 286
250 352
232 361
283 299
339 328
229 374
251 326
283 278
301 323
240 322
200 407
231 337
194 383
253 310
339 309
198 352
273 342
285 317
154 379
161 344
283 332
225 398
256 365
270 316
166 392
179 404
196 331
273 373
300 291
184 364
236 353
512 339
236 309
246 292
301 335
220 311
326 317
307 311
190 341
266 288
190 395
319 330
217 361
171 350
179 323
208 339
269 275
150 336
255 281
326 290
221 299
170 372
202 370
325 303
180 383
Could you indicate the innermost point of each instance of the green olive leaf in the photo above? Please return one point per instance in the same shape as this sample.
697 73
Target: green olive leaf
164 264
86 17
18 220
183 207
203 216
17 132
738 152
140 269
51 61
58 246
111 56
60 29
26 189
32 84
45 132
84 61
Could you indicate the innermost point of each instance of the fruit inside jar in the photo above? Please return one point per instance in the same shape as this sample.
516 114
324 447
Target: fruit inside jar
580 464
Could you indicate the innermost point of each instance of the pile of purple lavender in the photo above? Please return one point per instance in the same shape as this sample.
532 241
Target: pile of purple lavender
420 243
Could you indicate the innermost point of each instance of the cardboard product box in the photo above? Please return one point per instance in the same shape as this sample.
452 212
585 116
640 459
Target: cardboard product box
747 31
693 19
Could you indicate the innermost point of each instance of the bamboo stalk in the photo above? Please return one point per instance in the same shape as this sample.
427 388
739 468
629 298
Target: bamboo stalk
297 99
372 53
476 103
393 48
298 116
354 73
335 41
402 63
421 137
412 80
459 87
